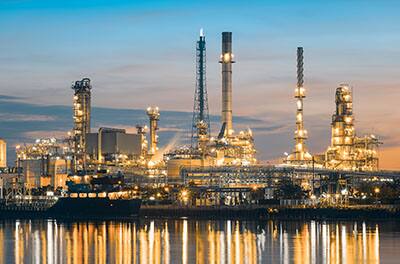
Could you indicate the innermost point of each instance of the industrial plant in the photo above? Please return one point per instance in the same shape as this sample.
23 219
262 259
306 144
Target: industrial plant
226 148
225 161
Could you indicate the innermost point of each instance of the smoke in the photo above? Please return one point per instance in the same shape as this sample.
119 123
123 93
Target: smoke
168 147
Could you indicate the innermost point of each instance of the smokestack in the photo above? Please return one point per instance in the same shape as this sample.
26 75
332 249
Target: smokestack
154 116
226 61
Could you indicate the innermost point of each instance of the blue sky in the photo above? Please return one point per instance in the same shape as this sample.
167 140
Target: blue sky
141 53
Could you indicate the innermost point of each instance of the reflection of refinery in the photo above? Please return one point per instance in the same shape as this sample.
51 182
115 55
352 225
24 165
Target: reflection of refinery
187 241
138 154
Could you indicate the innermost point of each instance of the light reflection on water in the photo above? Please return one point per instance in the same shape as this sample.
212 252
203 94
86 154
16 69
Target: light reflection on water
191 241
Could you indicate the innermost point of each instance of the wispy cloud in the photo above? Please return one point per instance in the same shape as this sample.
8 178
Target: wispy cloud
25 117
45 134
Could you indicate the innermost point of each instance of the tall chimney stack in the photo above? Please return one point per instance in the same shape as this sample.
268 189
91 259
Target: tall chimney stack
226 61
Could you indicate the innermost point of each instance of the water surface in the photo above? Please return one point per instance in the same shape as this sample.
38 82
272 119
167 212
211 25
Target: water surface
191 241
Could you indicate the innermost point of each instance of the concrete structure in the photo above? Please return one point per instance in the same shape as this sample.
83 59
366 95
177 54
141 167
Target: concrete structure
81 115
112 144
3 153
226 61
300 155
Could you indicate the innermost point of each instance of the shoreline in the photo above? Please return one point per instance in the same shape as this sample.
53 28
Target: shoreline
269 212
244 212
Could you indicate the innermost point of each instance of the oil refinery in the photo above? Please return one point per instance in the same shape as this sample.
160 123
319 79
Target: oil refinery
225 160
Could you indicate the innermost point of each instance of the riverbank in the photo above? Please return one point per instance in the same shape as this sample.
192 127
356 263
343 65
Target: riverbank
255 212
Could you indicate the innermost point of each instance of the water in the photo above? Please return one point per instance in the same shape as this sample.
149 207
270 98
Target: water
191 241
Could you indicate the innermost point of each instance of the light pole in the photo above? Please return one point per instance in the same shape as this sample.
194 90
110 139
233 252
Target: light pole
376 191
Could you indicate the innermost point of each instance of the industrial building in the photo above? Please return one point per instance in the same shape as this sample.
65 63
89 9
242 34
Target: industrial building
46 162
110 149
111 144
49 162
3 153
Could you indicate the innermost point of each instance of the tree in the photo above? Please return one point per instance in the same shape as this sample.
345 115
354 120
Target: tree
288 190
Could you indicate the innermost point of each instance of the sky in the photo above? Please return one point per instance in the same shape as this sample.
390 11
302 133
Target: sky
141 53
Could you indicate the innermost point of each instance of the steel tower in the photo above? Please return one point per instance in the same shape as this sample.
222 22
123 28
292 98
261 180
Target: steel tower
201 120
82 98
300 154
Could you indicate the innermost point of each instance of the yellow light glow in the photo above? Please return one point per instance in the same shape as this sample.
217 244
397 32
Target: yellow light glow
299 104
227 57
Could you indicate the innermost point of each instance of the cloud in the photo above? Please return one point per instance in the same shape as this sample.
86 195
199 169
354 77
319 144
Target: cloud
45 134
25 117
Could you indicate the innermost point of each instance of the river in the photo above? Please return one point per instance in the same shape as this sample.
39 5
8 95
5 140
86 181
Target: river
199 241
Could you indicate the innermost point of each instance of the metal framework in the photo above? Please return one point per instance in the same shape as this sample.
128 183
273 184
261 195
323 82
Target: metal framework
81 115
300 155
348 151
201 119
270 175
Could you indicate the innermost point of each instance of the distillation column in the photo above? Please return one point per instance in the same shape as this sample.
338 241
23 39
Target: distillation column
201 120
154 117
341 153
81 111
300 154
226 61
